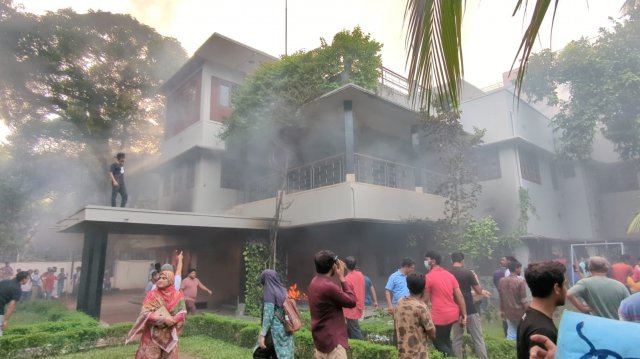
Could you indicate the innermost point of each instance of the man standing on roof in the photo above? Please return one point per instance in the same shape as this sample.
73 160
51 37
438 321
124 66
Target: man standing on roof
116 175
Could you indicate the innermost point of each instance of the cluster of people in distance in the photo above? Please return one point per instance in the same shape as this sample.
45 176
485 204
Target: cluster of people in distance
49 285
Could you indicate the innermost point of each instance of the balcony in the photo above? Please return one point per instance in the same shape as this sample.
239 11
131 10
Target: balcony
331 170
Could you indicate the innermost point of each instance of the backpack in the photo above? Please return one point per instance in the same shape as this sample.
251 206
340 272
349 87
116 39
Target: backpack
291 320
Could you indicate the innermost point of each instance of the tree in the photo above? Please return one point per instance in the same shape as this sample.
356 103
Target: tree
88 81
75 87
443 135
602 77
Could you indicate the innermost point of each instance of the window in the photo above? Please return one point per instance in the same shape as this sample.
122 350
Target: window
225 96
486 164
529 167
231 174
183 106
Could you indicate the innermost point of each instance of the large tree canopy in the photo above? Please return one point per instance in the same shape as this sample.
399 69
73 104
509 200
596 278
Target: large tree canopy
275 92
86 82
74 89
602 78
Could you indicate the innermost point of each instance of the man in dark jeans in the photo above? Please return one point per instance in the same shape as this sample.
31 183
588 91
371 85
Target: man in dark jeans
447 303
116 174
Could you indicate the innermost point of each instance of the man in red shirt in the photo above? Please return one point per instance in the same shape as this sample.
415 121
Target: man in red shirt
189 288
48 280
621 269
326 300
447 302
356 279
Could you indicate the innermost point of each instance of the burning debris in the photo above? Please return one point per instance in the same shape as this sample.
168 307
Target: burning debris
296 294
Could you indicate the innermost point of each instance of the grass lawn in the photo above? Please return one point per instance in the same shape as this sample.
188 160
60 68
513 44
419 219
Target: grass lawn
195 347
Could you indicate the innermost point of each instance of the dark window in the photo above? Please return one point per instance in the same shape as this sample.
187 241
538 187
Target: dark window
231 174
486 164
529 167
183 106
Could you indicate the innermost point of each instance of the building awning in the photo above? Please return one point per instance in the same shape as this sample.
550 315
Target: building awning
144 221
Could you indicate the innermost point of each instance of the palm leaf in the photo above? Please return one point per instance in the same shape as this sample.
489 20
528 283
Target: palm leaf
634 226
434 43
434 47
529 38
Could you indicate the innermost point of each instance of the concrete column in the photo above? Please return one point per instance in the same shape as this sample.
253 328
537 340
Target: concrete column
349 156
94 253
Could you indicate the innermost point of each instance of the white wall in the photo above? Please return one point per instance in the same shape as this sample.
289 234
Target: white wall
499 197
209 196
132 274
575 207
489 112
348 201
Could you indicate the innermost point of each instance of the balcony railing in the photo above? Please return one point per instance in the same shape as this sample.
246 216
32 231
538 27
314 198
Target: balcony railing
331 170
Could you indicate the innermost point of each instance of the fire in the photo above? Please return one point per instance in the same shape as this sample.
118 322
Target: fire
295 294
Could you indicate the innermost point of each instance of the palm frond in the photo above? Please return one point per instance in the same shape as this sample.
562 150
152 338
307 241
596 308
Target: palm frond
529 38
634 226
434 56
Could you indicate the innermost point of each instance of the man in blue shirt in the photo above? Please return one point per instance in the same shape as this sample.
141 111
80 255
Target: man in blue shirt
397 284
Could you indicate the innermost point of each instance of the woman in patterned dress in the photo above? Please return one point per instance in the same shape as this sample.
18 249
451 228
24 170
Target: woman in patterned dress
273 296
161 320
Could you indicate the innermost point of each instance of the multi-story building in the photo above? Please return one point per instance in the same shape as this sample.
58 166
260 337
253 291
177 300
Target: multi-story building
352 183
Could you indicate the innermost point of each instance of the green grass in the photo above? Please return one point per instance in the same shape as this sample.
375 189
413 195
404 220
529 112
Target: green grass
197 346
203 347
121 351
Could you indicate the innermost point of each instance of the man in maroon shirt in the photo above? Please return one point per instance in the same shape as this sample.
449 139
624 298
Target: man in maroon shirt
326 300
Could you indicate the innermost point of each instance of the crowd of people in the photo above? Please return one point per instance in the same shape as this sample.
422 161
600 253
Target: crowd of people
438 306
50 284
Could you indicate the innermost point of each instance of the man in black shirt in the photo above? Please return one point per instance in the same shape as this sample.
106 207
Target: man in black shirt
468 281
546 281
116 175
9 294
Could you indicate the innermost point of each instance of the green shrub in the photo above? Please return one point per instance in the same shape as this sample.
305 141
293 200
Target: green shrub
245 334
64 332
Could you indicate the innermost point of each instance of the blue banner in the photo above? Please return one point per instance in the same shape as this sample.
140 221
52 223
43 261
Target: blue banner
583 336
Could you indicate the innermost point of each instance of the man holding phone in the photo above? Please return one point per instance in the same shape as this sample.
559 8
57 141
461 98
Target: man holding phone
328 293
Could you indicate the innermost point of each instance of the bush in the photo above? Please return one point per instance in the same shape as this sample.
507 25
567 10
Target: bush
245 334
63 332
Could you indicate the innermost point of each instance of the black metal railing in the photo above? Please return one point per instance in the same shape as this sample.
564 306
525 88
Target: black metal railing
331 170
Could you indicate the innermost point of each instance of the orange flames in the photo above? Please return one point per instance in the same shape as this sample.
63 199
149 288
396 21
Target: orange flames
295 294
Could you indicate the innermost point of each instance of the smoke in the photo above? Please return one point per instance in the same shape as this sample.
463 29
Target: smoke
157 13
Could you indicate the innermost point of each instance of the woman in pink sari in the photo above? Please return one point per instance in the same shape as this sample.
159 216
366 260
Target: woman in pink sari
161 320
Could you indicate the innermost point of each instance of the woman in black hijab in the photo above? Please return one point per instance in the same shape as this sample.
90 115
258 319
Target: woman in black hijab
273 296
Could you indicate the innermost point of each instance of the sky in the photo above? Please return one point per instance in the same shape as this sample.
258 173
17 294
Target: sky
491 35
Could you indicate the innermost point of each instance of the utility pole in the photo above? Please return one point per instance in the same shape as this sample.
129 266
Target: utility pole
285 26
